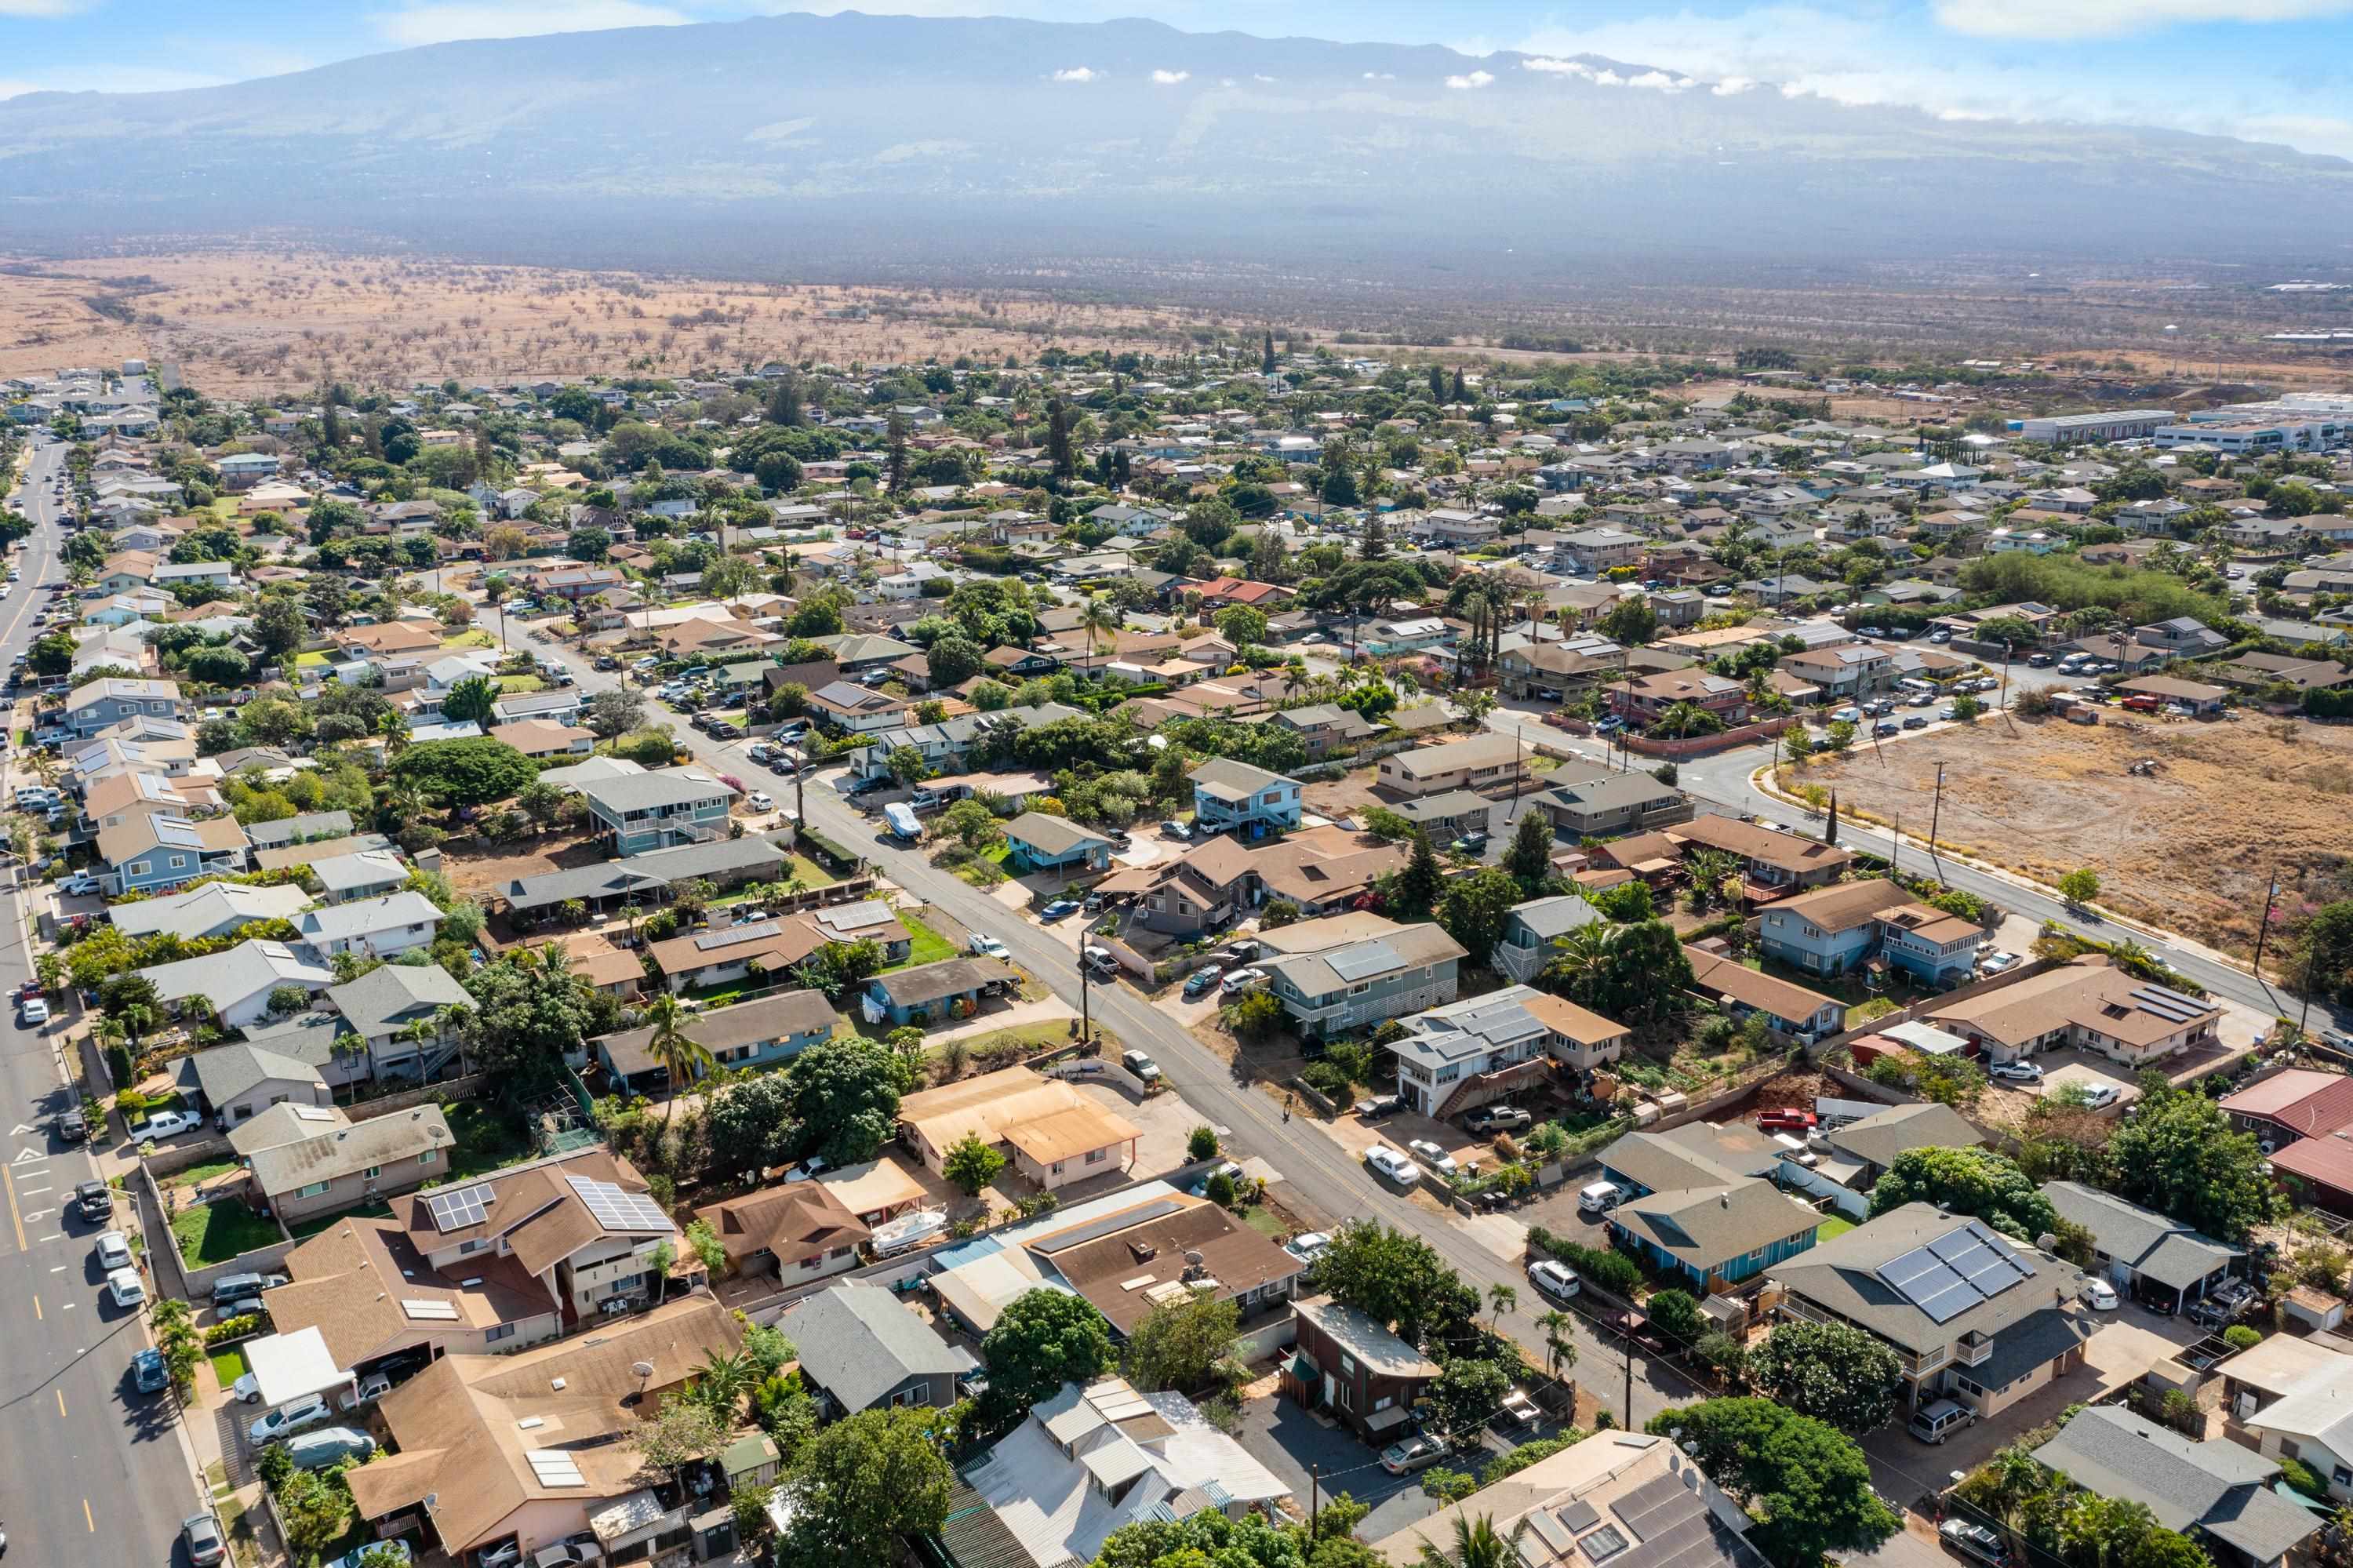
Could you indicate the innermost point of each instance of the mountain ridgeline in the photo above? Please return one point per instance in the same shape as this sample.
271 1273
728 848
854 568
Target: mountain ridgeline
803 140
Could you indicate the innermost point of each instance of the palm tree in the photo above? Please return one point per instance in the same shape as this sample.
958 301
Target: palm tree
722 1381
136 1020
1501 1298
1560 1347
393 726
1579 958
1684 719
681 1056
1709 870
1476 1545
1099 617
200 1008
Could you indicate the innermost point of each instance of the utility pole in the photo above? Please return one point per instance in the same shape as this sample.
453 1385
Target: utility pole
1626 1345
1936 814
2263 927
1086 994
1315 1503
1895 846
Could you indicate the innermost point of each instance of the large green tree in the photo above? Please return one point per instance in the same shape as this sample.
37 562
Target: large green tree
1180 1342
471 700
865 1486
469 772
1974 1181
2180 1156
528 1010
846 1093
1831 1371
1529 859
1042 1341
1805 1482
1635 972
1395 1278
753 1125
1475 909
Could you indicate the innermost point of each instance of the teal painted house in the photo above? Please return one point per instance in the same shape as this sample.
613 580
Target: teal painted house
1703 1209
1035 843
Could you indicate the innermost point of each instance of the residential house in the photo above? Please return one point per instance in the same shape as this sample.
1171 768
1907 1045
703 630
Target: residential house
310 827
234 1083
370 874
2296 1103
1772 865
1532 928
2088 1003
2291 1397
1149 1250
1464 1054
400 1015
932 993
1326 728
1972 1314
1234 797
1843 671
1591 1503
94 705
1484 763
541 738
2230 1501
1845 926
1036 843
505 1456
373 1297
158 848
1321 870
1088 1461
966 741
368 927
1790 1011
1612 804
1700 1205
2203 701
1355 985
1348 1364
306 1160
847 707
238 982
1056 1135
746 1037
659 811
2140 1251
215 909
1844 1162
800 1232
1644 700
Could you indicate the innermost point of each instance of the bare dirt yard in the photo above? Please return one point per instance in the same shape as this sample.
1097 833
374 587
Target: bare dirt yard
2189 847
250 322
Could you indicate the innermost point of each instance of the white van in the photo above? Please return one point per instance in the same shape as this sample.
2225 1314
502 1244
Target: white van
1936 1422
1601 1197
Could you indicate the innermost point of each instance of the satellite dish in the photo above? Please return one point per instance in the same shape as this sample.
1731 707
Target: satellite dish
642 1370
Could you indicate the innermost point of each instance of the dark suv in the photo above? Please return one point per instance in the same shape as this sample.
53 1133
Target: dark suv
95 1199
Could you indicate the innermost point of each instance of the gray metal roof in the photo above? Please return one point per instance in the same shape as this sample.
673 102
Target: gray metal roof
391 995
2214 1485
860 1343
931 982
649 791
224 1072
1882 1135
776 1017
2165 1251
1547 918
646 874
301 828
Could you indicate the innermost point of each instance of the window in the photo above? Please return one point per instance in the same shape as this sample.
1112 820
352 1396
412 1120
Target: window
373 1171
1347 1366
430 1157
476 1245
497 1331
178 861
313 1189
1097 1156
2288 1449
812 1261
138 868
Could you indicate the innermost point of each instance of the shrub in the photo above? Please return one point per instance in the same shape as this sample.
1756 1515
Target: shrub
1612 1271
2239 1337
1221 1191
2298 1474
243 1326
1202 1144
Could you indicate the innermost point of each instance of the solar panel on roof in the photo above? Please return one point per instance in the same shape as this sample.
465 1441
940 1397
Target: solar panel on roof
1357 963
1656 1503
1580 1515
1548 1529
2169 1006
456 1211
1602 1545
1095 1229
728 938
617 1209
1954 1272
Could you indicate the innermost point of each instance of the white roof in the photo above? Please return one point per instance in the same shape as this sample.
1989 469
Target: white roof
367 915
369 868
231 977
215 906
289 1366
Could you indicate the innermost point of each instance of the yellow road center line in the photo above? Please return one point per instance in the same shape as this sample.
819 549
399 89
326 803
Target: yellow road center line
16 1217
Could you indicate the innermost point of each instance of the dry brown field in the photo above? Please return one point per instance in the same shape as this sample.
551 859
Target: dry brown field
2189 848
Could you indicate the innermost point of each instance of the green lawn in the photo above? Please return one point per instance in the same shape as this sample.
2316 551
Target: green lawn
305 1229
208 1234
811 875
930 946
473 636
726 994
487 1138
1833 1226
229 1366
310 660
516 686
195 1175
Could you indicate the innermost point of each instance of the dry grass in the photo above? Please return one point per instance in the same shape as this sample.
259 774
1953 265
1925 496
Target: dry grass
248 322
2189 848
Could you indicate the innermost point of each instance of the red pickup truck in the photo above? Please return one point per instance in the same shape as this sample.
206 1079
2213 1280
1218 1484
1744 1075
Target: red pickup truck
1789 1118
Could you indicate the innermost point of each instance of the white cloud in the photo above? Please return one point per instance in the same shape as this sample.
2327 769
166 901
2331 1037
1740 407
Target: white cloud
1475 81
1659 82
2111 18
1551 67
1380 76
1075 73
1170 78
1732 86
1260 78
444 23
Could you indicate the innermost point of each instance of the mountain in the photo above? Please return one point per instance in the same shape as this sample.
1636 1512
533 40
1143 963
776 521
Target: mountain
808 141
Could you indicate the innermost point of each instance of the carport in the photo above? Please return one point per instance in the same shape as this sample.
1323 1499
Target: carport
288 1367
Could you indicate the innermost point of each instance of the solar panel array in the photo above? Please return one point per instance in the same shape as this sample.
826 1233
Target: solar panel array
1352 964
616 1209
1091 1230
2169 1006
466 1206
430 1312
729 938
1955 1272
555 1467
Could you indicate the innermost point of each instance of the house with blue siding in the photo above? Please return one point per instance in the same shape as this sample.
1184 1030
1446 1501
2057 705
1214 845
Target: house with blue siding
1846 925
934 993
1701 1208
661 810
1035 843
1790 1010
95 705
746 1037
157 848
1234 797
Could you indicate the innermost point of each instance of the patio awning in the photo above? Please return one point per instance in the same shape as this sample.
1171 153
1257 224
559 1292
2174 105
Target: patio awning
288 1366
1382 1420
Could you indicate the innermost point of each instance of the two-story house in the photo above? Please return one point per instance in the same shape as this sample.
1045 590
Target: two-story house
1614 803
1532 928
1843 924
1234 797
111 699
1772 865
2088 1003
1355 984
1483 762
1846 671
660 810
402 1017
1463 1054
369 928
307 1160
1353 1367
1643 700
1972 1314
743 1038
1790 1011
155 848
964 741
1325 727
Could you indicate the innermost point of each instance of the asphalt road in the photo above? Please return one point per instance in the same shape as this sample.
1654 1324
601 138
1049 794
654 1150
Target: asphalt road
92 1472
1322 1176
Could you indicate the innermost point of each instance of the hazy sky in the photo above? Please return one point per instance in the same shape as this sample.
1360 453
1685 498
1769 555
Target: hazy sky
2269 70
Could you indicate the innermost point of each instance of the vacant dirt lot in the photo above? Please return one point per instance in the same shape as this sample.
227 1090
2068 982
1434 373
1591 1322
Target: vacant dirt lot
2189 847
246 323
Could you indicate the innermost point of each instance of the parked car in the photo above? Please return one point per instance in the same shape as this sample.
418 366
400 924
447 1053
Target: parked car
1308 1245
1786 1119
149 1372
165 1124
1201 983
73 1126
1416 1453
1997 961
1884 728
1497 1119
1600 1197
1437 1159
760 801
352 1559
1060 909
2100 1096
1393 1165
1141 1066
126 1287
2015 1072
1378 1106
1176 829
1972 1539
95 1199
1519 1410
1556 1279
1239 981
300 1416
114 1250
1226 1167
1939 1419
1241 952
315 1450
1469 843
34 1011
201 1533
2040 660
986 947
2100 1296
240 1286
